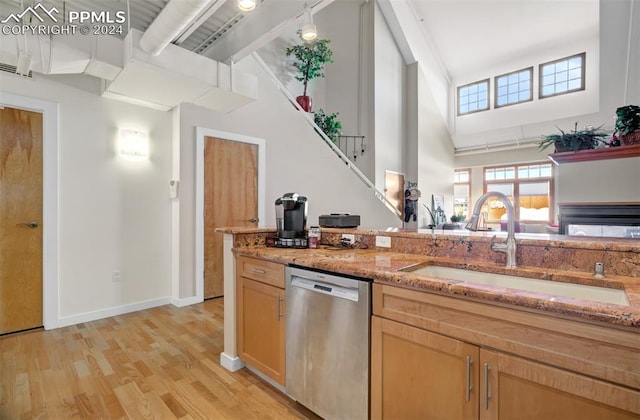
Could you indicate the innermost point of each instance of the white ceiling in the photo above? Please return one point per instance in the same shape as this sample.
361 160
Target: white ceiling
474 34
465 33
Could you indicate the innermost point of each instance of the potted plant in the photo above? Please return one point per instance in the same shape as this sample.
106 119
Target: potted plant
574 140
628 124
329 124
310 60
457 218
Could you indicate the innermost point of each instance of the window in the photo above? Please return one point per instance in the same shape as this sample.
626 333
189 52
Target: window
513 88
461 192
562 76
529 188
473 97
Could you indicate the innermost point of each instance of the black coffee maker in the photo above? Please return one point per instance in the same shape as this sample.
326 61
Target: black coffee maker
291 220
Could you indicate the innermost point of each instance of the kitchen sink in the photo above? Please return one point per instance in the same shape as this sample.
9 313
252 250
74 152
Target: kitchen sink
547 287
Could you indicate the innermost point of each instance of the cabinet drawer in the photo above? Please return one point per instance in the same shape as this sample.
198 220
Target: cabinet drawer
260 270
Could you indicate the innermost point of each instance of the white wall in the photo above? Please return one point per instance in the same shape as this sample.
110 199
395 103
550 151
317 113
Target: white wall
619 84
619 56
296 158
599 181
348 24
612 80
113 214
515 121
389 102
434 153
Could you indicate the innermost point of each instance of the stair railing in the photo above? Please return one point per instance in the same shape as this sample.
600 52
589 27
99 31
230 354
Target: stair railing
309 118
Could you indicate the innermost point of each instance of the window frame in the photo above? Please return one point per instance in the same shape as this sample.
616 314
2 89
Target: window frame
488 82
582 75
516 181
495 88
468 183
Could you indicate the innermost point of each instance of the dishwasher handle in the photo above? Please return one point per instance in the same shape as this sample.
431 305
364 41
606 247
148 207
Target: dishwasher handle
330 289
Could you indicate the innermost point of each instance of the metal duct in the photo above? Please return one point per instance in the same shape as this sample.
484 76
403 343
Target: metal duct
99 56
171 21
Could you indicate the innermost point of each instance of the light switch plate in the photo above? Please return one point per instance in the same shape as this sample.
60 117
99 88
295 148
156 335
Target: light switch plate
383 241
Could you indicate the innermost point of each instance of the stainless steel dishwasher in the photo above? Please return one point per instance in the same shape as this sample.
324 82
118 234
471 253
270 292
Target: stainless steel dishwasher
328 336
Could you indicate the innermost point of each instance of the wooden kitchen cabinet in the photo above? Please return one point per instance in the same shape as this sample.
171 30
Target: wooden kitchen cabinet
524 365
522 389
260 316
416 374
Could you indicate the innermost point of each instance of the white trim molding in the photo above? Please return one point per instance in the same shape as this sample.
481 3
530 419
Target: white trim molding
231 363
50 222
180 302
109 312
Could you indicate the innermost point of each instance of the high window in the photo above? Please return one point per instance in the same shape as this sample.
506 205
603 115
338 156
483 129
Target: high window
513 88
473 97
562 76
461 192
529 187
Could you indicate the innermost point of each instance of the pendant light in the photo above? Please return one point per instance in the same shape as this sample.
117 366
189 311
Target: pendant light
246 5
309 32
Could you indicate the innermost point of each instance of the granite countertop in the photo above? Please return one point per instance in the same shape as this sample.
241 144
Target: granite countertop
613 244
385 267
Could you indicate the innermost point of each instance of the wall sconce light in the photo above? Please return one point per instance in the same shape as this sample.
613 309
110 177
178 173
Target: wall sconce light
246 5
133 144
309 32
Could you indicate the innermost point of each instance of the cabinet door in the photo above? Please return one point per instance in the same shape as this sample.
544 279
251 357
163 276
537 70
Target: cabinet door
512 387
416 374
261 327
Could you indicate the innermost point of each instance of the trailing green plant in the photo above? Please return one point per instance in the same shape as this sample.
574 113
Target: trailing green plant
329 124
574 140
628 119
311 57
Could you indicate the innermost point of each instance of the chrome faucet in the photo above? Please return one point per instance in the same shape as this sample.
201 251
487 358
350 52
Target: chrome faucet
509 248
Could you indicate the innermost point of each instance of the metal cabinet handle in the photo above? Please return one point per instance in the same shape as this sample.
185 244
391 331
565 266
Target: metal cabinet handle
31 225
279 314
253 220
487 394
468 393
255 270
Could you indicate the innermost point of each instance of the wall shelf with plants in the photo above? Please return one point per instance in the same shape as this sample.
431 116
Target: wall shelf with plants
596 154
592 144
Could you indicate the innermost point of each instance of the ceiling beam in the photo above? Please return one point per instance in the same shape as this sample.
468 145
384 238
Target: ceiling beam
263 25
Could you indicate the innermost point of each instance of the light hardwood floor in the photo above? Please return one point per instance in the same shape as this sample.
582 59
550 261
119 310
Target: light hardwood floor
159 363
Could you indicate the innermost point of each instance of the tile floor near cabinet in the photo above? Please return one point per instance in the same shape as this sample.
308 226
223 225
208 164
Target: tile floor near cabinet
160 363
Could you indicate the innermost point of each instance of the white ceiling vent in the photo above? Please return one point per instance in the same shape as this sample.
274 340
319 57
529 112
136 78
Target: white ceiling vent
8 68
178 75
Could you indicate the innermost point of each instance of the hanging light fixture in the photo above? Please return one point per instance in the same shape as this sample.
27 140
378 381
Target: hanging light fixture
309 32
246 5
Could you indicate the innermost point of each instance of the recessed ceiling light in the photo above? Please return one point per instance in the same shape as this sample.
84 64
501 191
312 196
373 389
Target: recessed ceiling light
246 5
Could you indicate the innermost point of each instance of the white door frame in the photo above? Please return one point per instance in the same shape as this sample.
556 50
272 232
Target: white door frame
201 133
49 110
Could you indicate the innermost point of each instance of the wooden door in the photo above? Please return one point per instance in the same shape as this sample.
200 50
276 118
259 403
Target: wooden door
416 374
230 200
261 327
20 220
518 388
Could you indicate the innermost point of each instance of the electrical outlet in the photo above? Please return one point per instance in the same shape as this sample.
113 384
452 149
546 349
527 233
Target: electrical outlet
115 276
383 241
348 239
